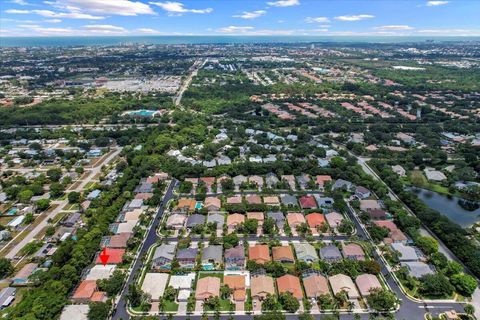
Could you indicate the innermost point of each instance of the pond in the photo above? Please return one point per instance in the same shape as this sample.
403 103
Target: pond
448 206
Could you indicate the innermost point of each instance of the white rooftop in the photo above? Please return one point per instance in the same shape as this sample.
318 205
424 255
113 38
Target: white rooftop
100 272
154 284
75 312
182 282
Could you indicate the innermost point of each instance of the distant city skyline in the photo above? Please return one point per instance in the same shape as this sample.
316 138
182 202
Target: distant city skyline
235 17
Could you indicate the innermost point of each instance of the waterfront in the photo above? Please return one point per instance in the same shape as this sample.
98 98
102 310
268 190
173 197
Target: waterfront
448 206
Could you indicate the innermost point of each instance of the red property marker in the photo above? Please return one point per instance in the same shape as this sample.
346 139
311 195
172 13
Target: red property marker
104 256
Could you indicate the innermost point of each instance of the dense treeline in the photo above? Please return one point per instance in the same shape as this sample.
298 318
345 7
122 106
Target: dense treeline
47 298
79 110
451 234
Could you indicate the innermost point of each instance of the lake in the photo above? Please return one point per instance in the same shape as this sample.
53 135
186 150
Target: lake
448 207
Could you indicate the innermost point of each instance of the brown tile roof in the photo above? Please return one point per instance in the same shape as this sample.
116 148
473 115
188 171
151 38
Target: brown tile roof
253 199
283 253
289 283
207 287
256 216
295 218
85 290
259 253
235 219
237 284
261 286
186 203
315 286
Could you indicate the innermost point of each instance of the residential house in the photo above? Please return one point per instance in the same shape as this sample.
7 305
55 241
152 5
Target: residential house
418 269
212 203
217 218
305 252
176 221
342 185
235 258
315 220
234 200
290 179
366 283
238 180
289 200
195 220
259 253
212 257
86 292
295 219
322 180
184 284
234 220
209 182
256 216
308 202
237 284
303 181
261 286
207 287
396 236
163 256
93 194
278 217
115 256
323 201
185 205
271 180
341 282
72 219
271 201
334 219
366 205
405 253
253 199
21 278
398 169
330 253
187 257
283 254
289 283
75 312
154 284
377 214
353 251
258 180
315 285
362 192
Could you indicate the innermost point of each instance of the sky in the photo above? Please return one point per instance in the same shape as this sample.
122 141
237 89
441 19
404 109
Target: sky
240 17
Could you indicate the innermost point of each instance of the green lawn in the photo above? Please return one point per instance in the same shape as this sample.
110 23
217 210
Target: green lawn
211 274
170 306
224 305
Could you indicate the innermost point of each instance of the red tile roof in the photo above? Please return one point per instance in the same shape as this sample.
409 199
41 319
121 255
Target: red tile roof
308 202
315 219
114 256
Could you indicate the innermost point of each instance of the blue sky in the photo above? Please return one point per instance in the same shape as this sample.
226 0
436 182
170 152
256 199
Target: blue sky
239 17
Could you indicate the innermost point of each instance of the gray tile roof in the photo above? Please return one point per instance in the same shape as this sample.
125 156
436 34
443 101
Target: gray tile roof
218 218
288 199
166 251
195 220
213 253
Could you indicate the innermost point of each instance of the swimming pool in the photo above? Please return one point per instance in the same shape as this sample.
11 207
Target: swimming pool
198 205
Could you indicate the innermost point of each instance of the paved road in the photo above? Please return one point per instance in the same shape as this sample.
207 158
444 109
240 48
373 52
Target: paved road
121 307
196 66
60 205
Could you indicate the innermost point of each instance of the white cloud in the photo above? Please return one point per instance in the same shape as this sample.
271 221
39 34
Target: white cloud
177 8
235 29
147 31
394 27
436 3
20 2
111 7
251 14
317 20
284 3
450 32
16 11
355 17
53 20
52 14
104 28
